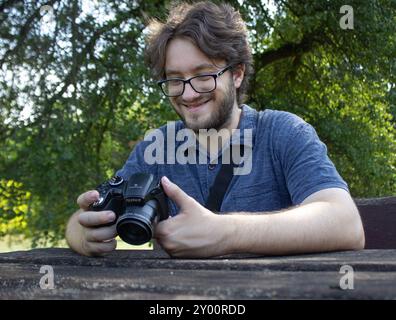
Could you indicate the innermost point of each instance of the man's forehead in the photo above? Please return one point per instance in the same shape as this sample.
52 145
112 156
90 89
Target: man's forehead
192 68
183 56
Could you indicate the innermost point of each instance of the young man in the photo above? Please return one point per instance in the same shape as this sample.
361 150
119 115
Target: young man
291 200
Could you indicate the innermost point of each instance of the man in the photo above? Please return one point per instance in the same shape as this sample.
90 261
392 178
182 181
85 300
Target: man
292 200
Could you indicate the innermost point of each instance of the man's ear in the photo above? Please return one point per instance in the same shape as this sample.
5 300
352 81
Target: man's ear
238 74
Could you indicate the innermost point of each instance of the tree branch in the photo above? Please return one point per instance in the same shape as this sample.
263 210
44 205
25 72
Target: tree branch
23 32
288 50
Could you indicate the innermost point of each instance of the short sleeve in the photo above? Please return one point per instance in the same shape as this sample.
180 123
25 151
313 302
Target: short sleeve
306 165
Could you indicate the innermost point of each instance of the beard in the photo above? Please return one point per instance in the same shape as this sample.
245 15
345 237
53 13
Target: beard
221 115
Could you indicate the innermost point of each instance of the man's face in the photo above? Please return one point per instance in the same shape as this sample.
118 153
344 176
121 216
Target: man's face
200 110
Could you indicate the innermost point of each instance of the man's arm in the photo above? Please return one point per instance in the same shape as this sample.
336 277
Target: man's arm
327 220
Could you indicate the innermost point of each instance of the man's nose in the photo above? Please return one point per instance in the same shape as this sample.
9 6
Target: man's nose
189 93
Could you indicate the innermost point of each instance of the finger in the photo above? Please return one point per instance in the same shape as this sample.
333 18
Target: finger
164 228
85 199
160 230
182 200
95 218
168 246
100 234
98 248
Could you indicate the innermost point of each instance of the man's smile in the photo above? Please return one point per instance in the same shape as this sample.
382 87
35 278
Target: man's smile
195 107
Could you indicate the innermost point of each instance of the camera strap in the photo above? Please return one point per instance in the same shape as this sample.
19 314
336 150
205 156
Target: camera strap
224 177
220 185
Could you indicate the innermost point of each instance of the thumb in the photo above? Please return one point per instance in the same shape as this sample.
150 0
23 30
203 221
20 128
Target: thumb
182 200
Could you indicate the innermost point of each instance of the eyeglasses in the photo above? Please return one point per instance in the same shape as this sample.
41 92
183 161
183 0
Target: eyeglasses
203 83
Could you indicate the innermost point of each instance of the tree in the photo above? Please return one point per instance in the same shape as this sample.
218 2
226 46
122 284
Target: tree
75 94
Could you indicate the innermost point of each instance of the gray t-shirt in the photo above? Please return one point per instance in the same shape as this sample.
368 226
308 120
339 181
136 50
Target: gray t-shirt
288 163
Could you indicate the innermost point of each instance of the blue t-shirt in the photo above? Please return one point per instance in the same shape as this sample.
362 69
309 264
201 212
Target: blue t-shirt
288 163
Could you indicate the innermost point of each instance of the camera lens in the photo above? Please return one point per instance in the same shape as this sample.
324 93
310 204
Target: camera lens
135 226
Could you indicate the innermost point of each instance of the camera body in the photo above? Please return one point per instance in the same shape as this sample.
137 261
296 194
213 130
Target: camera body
137 203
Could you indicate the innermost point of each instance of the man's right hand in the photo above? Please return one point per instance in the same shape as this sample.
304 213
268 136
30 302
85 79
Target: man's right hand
84 231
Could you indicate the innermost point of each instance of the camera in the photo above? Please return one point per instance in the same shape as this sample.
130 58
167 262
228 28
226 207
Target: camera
137 203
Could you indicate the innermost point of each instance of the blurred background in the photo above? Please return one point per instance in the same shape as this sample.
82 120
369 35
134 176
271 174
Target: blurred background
76 96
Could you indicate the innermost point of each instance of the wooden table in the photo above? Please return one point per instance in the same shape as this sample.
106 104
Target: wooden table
126 274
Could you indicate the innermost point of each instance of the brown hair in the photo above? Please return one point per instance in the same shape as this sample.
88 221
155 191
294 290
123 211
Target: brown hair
217 30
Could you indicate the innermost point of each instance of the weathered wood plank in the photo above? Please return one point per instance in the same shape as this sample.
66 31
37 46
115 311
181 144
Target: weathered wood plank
365 260
152 275
379 222
384 201
118 283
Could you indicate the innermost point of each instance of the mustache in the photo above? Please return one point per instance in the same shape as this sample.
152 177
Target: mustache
199 100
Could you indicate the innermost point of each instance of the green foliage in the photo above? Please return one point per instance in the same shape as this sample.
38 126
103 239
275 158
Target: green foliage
76 96
341 81
14 206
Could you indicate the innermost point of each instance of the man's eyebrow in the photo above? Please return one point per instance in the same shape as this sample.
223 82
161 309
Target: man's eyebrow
195 69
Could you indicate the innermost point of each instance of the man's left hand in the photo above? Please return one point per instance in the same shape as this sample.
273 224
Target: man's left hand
195 231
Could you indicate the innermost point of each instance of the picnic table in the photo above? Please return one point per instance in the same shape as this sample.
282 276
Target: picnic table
152 274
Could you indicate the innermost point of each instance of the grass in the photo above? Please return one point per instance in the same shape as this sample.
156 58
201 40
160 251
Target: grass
18 243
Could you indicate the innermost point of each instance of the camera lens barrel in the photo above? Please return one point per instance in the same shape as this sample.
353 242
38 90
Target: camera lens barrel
135 226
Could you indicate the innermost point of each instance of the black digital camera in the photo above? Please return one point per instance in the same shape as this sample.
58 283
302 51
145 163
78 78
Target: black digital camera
137 203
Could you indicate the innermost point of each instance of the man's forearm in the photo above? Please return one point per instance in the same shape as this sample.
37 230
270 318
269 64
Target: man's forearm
313 227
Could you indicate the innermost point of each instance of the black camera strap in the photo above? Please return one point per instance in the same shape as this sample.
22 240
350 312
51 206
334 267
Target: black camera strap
221 183
223 178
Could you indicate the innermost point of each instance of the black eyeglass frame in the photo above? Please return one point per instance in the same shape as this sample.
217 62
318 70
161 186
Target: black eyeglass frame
214 75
